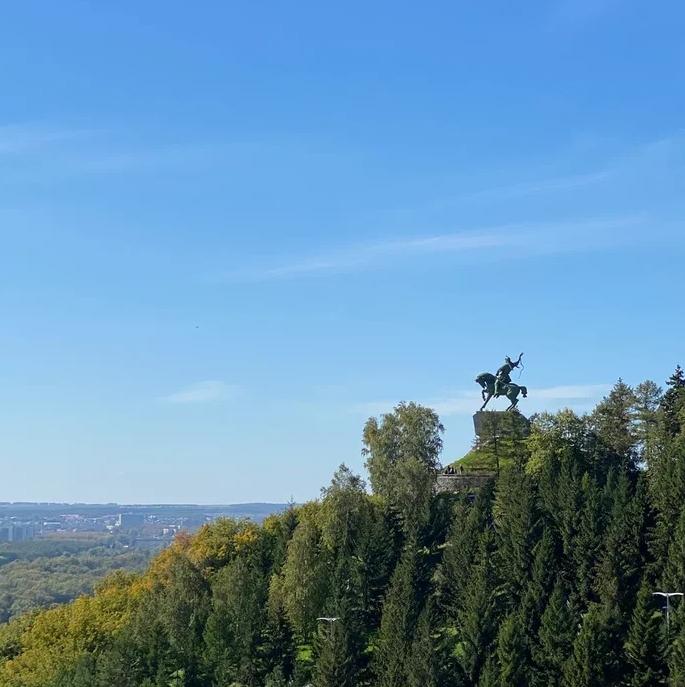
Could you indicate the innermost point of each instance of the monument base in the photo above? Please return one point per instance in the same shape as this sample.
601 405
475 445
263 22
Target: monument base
489 424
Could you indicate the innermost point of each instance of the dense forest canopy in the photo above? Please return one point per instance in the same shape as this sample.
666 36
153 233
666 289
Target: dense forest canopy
545 578
43 572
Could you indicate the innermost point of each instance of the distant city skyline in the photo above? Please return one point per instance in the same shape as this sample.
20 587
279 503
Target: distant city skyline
230 235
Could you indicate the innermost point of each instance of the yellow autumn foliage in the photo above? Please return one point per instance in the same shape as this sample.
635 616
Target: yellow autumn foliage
56 638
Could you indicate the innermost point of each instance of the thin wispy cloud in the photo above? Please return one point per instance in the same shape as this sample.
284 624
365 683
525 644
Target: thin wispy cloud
564 183
513 240
52 149
28 138
579 397
201 392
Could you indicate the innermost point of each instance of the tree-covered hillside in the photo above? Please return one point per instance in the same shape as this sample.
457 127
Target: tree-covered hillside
544 579
40 573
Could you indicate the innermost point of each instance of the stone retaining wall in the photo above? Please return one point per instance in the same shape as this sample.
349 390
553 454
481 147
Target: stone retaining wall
467 481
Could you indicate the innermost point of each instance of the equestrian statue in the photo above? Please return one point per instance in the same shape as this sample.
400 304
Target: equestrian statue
500 384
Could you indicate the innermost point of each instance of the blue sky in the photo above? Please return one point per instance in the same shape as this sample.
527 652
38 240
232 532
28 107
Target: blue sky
232 231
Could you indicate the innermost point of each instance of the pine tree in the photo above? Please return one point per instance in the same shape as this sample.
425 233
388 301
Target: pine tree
644 646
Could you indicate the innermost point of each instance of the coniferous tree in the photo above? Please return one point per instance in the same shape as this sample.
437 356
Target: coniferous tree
673 402
236 623
555 639
304 583
676 649
461 548
512 653
516 525
674 569
590 662
477 616
489 676
614 421
398 621
648 398
423 669
644 646
624 552
544 573
276 678
587 540
334 663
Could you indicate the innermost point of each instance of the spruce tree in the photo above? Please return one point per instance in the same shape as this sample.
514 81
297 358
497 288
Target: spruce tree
545 571
334 664
676 654
644 645
477 616
512 653
422 661
398 621
555 638
489 676
624 551
590 662
674 570
460 550
516 525
588 538
673 402
614 421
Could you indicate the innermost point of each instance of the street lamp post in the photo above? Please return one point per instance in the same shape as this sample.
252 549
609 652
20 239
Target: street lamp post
668 596
330 622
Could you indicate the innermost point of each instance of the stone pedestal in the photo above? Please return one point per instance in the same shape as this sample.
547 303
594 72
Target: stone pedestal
490 424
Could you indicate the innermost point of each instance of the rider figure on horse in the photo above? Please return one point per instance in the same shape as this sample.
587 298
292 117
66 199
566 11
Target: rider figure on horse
503 375
500 384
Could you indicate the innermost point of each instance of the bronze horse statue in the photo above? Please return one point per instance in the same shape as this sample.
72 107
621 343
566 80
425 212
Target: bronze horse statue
500 384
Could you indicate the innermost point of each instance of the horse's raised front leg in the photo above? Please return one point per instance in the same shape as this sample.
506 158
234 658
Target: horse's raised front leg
486 398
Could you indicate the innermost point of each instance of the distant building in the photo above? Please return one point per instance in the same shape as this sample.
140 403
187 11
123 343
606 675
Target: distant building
16 532
130 521
51 526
